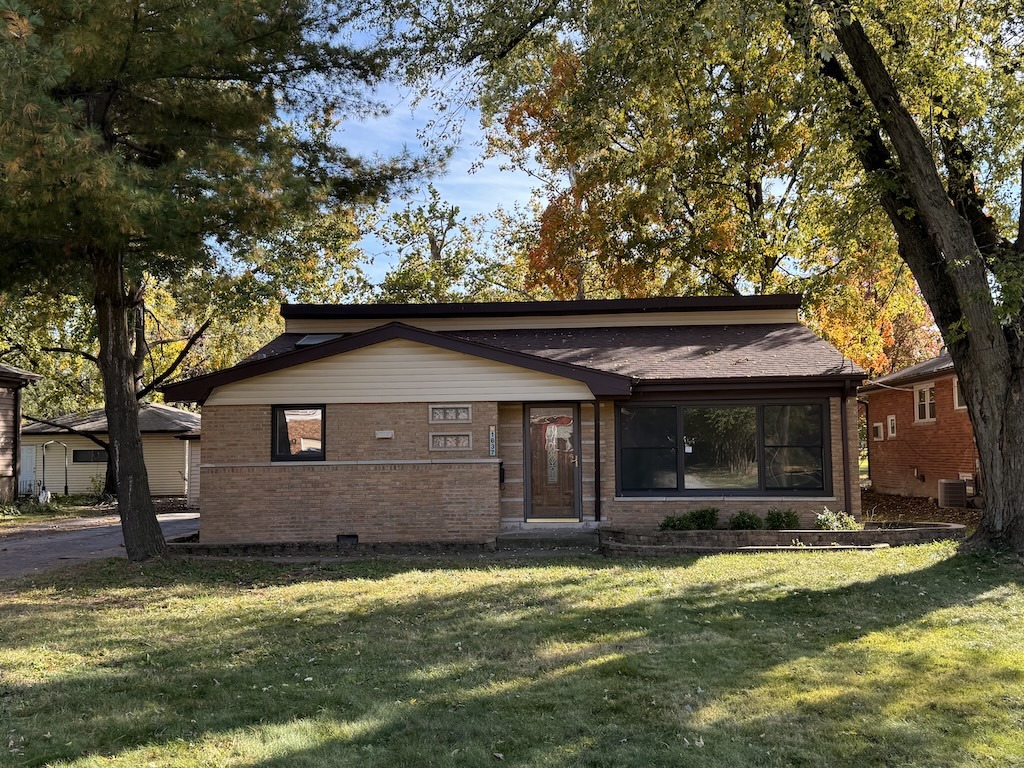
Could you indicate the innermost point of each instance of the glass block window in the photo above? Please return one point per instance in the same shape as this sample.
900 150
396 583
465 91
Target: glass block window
451 441
443 414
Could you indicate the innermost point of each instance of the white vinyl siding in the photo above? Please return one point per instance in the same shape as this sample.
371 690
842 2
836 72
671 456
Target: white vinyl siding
194 459
399 371
164 454
736 317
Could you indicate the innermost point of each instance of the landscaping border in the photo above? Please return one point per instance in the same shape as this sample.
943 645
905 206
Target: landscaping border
658 543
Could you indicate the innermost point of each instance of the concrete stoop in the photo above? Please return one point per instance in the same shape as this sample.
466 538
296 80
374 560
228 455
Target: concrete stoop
548 538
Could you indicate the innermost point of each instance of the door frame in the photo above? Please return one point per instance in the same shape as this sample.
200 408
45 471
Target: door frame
577 480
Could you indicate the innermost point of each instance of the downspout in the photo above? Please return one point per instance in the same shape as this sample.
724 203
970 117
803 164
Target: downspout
845 433
597 461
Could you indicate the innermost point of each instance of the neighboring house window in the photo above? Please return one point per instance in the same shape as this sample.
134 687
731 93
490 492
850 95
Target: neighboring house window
89 456
297 433
442 414
892 426
877 431
451 441
924 399
735 449
958 395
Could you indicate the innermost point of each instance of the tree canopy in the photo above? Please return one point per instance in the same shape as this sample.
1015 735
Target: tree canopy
748 145
153 143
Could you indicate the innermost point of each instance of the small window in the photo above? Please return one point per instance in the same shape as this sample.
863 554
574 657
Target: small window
891 421
89 456
451 441
446 414
877 432
959 402
297 433
924 399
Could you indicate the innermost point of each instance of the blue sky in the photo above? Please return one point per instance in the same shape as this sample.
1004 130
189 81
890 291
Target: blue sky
479 189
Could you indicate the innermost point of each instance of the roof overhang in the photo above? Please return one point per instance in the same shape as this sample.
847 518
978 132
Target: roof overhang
198 389
839 383
909 381
789 301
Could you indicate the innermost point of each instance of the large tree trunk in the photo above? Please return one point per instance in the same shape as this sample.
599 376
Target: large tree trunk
940 247
142 535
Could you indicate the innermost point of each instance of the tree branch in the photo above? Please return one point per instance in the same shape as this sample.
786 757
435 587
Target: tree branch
169 371
70 430
67 351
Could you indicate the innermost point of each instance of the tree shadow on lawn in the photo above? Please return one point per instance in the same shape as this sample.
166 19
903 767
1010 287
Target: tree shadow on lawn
440 670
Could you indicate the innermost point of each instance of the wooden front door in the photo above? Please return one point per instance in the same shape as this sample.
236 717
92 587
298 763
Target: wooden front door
553 463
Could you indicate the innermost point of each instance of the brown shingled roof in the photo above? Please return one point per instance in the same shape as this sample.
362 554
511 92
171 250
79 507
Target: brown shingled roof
681 352
153 417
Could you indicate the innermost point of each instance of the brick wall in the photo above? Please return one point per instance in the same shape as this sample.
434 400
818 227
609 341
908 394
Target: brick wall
939 450
646 513
401 492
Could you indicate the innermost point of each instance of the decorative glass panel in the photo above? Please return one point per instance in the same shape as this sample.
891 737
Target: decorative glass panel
720 448
457 413
450 441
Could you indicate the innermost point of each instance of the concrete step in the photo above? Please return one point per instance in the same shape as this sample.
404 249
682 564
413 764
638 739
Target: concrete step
562 538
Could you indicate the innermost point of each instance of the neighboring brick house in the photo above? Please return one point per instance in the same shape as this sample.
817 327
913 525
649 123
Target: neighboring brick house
12 381
918 430
450 422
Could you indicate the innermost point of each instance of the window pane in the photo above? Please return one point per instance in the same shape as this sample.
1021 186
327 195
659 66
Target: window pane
721 447
794 468
792 425
649 469
646 427
298 433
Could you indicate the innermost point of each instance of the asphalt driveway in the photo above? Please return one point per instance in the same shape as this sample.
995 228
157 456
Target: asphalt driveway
23 555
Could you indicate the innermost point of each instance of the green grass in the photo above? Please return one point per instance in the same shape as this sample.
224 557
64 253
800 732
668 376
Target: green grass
906 657
27 513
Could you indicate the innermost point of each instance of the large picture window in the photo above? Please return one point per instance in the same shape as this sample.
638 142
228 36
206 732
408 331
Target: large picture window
297 433
718 449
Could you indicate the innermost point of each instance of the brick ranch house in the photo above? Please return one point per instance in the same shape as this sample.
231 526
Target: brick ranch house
418 423
919 431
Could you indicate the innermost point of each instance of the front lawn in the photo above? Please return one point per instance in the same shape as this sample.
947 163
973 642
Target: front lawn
29 513
906 657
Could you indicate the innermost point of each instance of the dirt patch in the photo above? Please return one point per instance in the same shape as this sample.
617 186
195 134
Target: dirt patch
914 509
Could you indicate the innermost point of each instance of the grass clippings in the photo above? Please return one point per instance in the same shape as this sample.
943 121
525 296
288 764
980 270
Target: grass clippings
905 657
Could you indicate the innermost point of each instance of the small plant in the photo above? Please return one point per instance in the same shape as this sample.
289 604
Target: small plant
676 523
746 521
827 520
703 519
781 519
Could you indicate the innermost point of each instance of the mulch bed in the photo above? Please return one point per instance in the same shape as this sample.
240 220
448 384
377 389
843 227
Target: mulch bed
881 506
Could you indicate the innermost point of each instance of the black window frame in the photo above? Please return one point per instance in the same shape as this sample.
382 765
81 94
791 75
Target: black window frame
275 410
93 453
761 490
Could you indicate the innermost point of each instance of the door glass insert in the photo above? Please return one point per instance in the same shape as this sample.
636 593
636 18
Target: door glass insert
553 462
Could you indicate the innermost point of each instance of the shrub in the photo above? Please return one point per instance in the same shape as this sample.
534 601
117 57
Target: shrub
781 519
704 519
695 520
827 520
746 521
676 523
